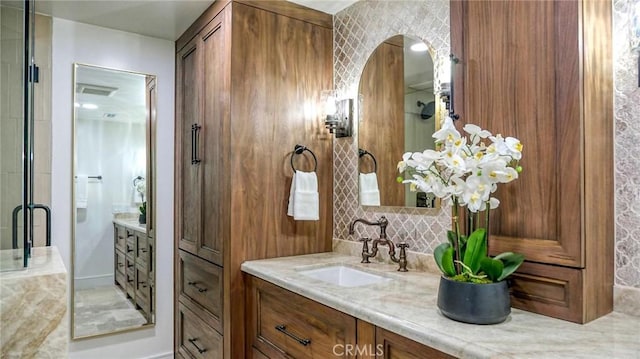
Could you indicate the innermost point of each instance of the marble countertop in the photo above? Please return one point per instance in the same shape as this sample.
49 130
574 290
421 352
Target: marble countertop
132 224
407 305
43 261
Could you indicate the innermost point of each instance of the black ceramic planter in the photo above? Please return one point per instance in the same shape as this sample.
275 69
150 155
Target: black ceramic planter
142 219
474 303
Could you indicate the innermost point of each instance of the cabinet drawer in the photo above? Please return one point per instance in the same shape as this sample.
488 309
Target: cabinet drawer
120 236
142 284
120 279
142 249
284 324
120 262
196 339
201 288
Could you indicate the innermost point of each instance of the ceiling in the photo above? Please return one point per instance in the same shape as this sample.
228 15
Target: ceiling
126 103
165 19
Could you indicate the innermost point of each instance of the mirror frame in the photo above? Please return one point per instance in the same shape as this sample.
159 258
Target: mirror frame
150 137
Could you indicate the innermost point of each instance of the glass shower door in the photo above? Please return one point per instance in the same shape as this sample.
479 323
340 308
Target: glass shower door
16 24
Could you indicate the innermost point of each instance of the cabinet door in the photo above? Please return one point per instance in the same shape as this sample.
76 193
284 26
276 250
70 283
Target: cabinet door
214 153
519 76
188 84
393 346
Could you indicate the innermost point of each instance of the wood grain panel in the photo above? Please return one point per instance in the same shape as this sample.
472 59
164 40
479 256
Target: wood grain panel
599 228
553 290
292 10
215 141
196 339
366 333
187 178
520 80
202 21
280 67
200 288
394 346
323 326
381 129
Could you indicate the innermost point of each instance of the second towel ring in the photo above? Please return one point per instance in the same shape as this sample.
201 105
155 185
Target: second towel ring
362 153
298 151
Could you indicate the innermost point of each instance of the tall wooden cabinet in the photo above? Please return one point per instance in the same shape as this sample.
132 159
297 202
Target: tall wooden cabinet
248 80
541 71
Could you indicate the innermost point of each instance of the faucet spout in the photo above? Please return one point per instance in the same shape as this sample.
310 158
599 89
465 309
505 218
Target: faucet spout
382 222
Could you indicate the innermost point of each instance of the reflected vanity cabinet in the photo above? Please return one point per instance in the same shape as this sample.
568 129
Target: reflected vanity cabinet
248 74
133 267
541 71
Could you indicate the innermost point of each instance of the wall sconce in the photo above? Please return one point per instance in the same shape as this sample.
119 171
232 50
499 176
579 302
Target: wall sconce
446 90
338 114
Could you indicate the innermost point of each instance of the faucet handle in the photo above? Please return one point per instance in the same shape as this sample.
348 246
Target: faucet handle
365 249
403 256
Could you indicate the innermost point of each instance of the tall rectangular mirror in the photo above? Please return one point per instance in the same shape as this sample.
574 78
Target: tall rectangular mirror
113 245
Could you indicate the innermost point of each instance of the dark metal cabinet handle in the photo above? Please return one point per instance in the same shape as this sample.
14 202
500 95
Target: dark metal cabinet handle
193 341
195 285
282 328
144 284
195 128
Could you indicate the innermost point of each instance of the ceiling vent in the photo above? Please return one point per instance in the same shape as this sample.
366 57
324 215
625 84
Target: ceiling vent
97 90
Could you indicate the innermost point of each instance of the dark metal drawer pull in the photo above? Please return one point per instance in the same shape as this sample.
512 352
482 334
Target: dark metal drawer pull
195 285
193 341
282 328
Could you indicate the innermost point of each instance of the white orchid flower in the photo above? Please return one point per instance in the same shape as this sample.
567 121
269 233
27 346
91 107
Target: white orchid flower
493 203
514 147
402 165
447 133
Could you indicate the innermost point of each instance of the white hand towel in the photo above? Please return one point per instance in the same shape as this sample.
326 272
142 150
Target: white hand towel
304 200
82 191
369 192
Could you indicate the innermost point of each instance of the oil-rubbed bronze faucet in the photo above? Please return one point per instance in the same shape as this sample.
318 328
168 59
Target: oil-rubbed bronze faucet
382 223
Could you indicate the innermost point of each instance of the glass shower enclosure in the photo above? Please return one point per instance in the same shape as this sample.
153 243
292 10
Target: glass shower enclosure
17 76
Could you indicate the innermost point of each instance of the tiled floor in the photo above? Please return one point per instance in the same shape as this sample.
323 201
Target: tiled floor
102 310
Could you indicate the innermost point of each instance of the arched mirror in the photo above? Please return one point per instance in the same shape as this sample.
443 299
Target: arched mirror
399 114
113 245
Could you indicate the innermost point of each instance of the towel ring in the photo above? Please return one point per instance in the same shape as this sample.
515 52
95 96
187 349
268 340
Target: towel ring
362 153
298 151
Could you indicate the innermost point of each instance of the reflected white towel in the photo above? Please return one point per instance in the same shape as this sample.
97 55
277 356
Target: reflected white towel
304 200
82 191
369 192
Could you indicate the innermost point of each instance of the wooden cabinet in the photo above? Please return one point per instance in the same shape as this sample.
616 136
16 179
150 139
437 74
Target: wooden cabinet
541 71
282 324
248 80
133 265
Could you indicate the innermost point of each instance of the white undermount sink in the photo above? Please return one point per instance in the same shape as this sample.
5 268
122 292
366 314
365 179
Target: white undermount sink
343 276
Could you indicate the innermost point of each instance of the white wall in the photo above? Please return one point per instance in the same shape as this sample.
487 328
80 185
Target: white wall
110 149
76 42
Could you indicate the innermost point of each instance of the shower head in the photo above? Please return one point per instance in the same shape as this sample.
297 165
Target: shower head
428 109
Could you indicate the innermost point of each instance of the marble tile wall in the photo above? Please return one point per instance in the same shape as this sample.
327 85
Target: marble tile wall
362 26
627 148
11 121
358 30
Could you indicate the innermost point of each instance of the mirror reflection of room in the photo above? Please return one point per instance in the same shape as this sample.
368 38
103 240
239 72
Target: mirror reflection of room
398 116
112 252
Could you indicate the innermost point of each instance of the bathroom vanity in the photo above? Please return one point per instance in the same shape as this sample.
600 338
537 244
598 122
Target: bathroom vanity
133 264
399 317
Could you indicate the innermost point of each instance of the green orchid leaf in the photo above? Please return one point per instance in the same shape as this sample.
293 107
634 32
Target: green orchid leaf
476 249
492 268
438 253
451 236
511 263
447 263
463 245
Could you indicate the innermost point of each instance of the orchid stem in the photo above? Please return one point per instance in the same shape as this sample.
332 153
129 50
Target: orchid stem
456 243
